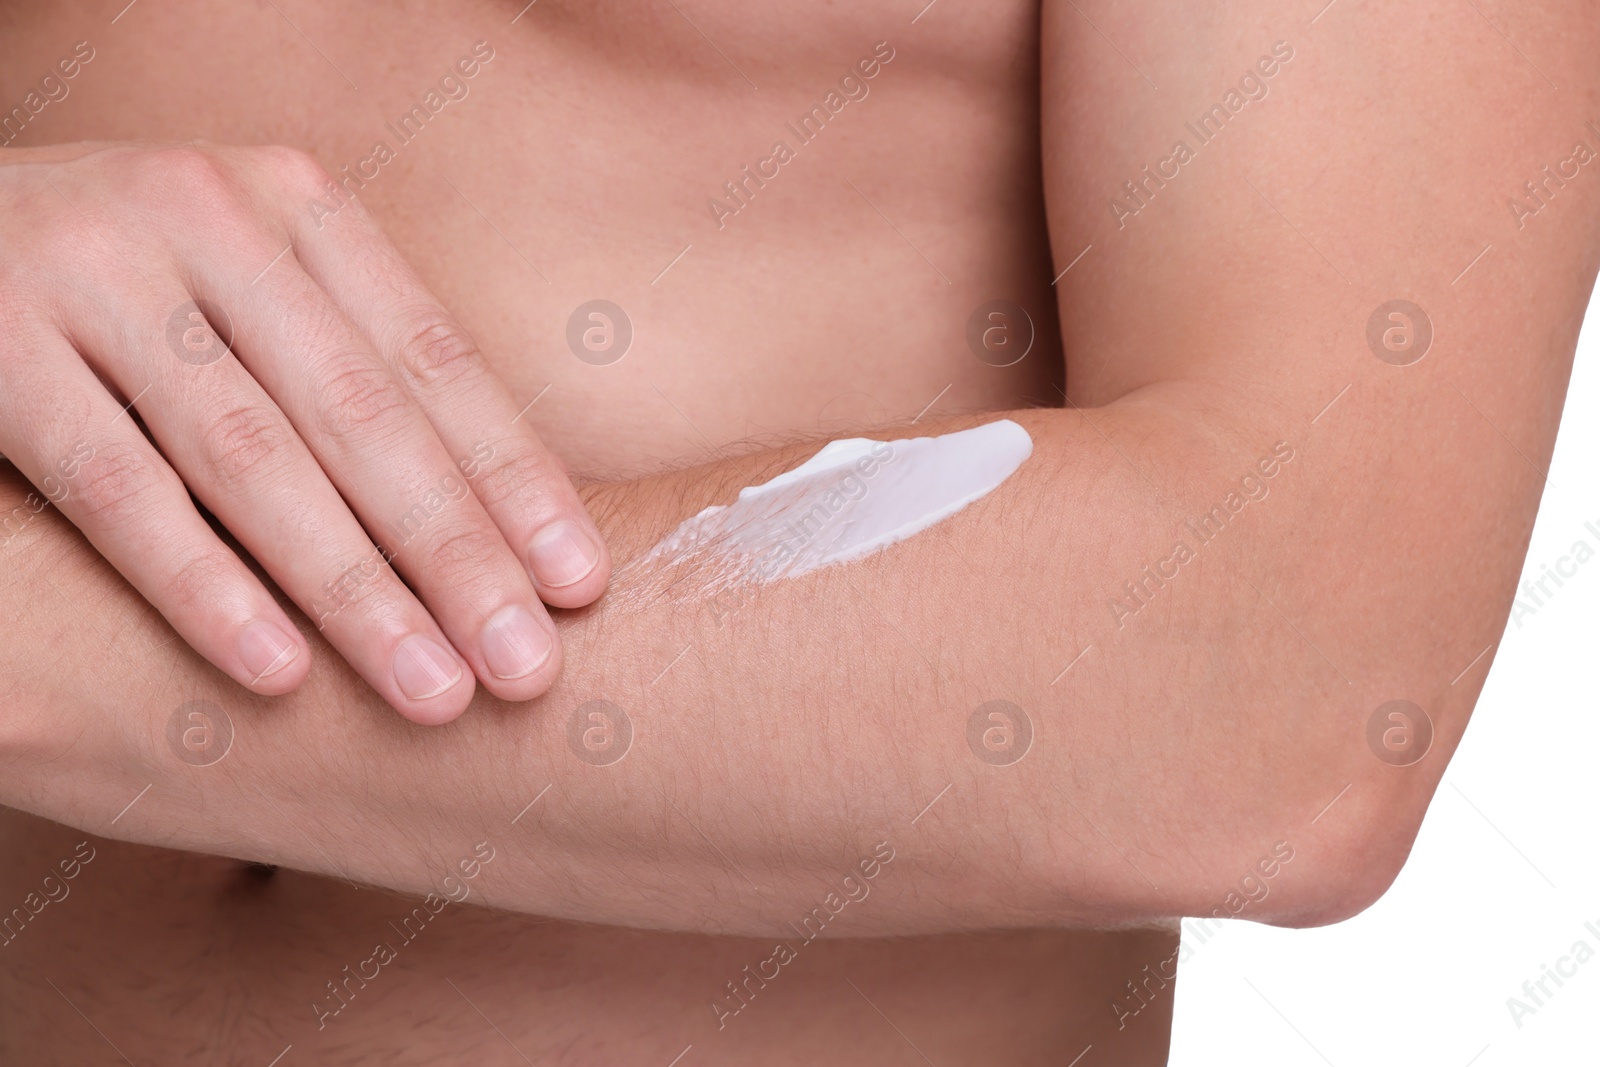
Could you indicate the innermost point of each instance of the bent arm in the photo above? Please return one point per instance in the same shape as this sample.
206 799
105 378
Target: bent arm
777 739
1350 530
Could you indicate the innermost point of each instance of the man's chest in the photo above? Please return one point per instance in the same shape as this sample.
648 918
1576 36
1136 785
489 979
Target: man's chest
671 226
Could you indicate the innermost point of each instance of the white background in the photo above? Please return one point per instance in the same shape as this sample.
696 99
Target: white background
1489 895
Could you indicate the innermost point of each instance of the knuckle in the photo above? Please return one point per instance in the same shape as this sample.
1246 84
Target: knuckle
197 582
198 185
366 585
184 170
117 483
465 553
360 399
242 441
519 476
438 350
296 170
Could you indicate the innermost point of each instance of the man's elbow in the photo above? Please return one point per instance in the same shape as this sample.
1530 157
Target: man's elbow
1353 839
1288 862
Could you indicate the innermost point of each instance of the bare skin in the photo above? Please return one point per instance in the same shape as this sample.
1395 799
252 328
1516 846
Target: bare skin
831 376
805 313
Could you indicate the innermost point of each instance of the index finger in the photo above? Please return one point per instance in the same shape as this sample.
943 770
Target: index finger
523 486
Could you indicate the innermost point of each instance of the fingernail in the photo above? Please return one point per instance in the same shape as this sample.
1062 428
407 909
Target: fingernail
514 644
423 668
561 554
265 649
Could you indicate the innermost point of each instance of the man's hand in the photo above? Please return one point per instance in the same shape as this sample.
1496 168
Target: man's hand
306 388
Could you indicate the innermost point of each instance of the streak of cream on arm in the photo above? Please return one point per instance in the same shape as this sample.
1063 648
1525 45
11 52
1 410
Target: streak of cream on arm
853 498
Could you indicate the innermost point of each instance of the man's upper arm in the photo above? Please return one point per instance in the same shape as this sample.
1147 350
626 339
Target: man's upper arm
1369 230
1254 183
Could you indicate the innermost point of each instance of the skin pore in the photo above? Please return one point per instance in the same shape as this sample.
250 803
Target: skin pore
779 739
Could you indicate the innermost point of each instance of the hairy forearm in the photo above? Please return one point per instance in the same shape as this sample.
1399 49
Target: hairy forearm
779 736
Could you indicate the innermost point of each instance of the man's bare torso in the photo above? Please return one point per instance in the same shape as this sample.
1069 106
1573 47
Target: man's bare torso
595 156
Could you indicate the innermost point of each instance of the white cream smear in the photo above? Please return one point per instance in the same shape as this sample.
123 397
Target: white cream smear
855 497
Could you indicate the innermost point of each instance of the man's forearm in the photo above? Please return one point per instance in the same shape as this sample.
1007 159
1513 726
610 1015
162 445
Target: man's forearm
778 738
